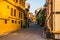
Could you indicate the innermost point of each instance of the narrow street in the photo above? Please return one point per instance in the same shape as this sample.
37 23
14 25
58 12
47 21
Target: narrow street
29 19
34 32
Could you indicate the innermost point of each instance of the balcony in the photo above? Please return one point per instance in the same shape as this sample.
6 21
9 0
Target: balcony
20 6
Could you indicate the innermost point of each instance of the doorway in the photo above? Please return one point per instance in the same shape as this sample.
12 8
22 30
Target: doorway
21 24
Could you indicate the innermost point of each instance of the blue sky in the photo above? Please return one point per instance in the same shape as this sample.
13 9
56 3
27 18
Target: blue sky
34 4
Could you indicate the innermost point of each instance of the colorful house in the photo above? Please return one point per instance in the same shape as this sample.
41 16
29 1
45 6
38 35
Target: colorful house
11 15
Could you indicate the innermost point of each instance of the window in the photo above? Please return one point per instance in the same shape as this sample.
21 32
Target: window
16 1
7 6
5 21
22 2
19 22
14 12
12 21
19 1
15 21
11 11
19 14
13 0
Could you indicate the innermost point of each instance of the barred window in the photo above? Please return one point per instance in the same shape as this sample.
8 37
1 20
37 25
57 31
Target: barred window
13 0
14 12
19 22
11 11
16 1
7 6
19 14
5 21
15 21
12 21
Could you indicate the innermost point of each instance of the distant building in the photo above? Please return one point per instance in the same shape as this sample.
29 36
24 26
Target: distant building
11 15
29 16
34 19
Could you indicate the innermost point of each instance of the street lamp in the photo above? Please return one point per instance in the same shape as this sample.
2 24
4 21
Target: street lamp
27 5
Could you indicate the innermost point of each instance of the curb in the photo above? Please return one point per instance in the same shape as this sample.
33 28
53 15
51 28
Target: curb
1 35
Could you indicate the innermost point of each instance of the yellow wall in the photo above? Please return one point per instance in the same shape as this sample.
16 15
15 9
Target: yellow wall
56 5
56 22
34 18
5 14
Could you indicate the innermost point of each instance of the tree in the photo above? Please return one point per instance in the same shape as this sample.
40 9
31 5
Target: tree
43 17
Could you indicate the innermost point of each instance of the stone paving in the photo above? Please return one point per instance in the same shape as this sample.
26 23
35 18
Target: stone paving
34 32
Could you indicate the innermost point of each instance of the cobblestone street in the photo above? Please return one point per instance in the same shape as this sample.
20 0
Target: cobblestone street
34 32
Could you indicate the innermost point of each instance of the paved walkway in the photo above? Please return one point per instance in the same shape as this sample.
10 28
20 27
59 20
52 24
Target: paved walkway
34 32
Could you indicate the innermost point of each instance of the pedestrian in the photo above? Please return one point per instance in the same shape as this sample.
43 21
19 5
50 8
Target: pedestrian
28 24
52 35
48 34
44 31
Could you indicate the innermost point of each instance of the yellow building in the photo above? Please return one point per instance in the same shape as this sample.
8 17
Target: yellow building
11 15
29 15
34 19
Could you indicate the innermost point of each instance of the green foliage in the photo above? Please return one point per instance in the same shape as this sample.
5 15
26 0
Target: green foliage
42 16
25 17
37 19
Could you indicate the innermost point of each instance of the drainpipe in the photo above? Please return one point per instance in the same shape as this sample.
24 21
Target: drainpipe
54 15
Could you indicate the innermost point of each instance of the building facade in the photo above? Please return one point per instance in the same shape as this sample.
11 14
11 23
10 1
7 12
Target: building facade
29 16
34 19
11 15
52 16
